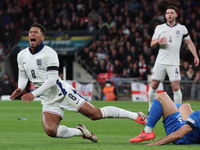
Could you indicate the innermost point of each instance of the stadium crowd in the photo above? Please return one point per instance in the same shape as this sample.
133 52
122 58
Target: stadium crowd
124 49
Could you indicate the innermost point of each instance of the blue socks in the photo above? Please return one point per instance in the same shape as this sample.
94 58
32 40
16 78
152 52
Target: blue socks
155 113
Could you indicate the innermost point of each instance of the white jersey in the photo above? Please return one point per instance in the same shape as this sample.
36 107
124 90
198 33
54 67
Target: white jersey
36 66
169 53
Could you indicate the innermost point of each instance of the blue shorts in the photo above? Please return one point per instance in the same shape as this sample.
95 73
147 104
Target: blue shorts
177 105
173 122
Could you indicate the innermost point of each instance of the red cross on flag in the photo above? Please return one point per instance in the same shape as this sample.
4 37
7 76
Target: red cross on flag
140 91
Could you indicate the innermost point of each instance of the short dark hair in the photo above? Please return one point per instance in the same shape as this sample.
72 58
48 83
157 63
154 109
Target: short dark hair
171 7
42 28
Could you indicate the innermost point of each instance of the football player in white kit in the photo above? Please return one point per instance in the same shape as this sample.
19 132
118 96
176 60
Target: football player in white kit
39 64
169 36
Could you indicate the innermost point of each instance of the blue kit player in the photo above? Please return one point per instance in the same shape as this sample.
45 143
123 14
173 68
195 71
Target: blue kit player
182 125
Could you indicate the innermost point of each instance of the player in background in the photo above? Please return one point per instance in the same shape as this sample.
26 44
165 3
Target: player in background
39 64
182 125
169 38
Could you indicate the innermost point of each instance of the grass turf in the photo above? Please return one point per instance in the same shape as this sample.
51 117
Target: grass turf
113 134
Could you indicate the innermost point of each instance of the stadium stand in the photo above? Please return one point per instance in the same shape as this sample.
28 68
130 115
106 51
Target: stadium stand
127 24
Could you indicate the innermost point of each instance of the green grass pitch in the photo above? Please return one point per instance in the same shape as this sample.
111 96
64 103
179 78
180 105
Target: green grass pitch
113 134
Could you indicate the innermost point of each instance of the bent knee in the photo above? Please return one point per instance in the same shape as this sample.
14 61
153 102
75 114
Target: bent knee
51 131
95 116
161 96
175 89
186 106
154 84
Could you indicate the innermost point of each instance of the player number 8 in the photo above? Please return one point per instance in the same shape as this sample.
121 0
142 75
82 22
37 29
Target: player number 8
72 97
33 74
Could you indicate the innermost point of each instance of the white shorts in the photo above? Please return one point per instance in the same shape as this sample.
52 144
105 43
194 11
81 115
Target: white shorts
160 70
72 101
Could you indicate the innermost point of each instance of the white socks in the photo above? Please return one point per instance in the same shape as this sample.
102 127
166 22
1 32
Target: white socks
107 112
114 112
177 97
148 129
152 95
65 132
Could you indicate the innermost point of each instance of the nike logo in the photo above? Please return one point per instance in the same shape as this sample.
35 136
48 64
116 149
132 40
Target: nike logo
24 62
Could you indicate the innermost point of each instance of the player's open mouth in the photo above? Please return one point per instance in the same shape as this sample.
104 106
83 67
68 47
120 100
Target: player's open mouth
32 41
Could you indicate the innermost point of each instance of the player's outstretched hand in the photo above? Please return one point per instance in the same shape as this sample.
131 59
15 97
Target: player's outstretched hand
28 97
16 93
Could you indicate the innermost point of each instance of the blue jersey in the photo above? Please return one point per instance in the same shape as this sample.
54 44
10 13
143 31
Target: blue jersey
174 122
193 121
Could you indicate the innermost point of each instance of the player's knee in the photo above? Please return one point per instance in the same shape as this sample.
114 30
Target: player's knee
161 96
175 89
96 115
154 86
186 106
175 86
51 131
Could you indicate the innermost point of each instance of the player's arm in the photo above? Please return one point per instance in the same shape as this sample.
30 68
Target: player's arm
156 39
22 80
174 136
50 82
193 51
154 43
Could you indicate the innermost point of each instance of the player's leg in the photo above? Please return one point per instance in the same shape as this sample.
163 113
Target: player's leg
52 128
153 91
95 113
162 106
158 75
51 117
167 104
175 77
50 123
74 101
177 92
185 110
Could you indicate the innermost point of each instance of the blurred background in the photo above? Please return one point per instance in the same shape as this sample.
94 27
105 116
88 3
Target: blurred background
99 40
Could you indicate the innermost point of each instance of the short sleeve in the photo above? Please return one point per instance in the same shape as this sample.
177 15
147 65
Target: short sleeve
156 33
185 33
19 62
52 58
193 119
